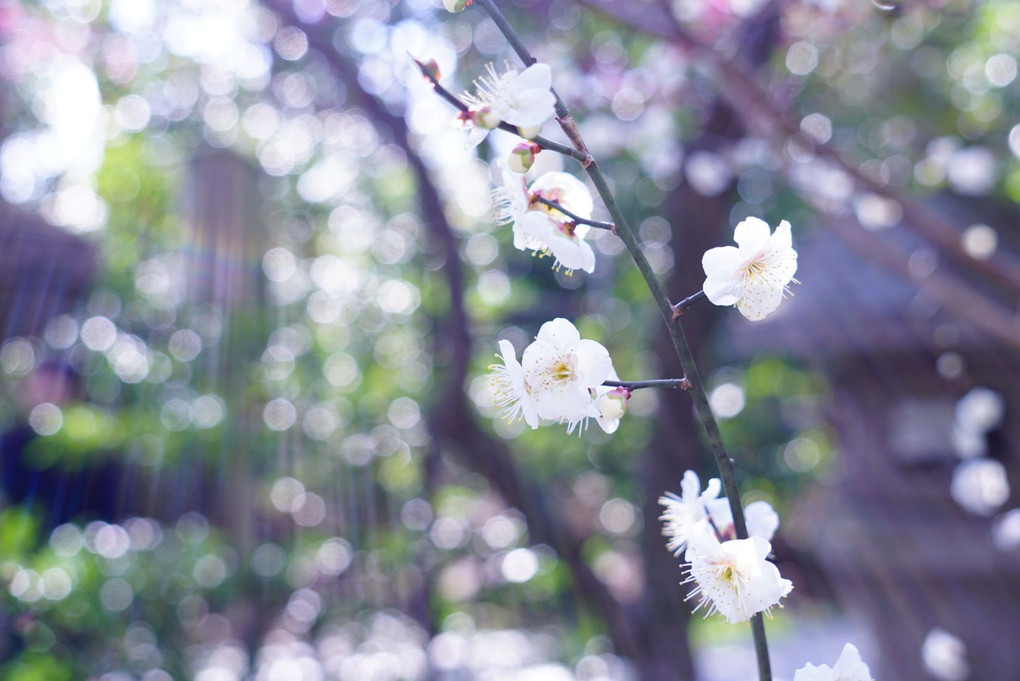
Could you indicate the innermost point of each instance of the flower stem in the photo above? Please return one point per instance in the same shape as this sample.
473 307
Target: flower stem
676 333
674 383
576 218
461 106
679 308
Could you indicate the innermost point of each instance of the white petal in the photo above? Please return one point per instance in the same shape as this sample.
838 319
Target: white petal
533 108
762 520
782 239
690 486
849 666
722 271
573 194
721 515
759 299
751 235
810 672
536 76
593 363
574 254
475 137
559 333
534 231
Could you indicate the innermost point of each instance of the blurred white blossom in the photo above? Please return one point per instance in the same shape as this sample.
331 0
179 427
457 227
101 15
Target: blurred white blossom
849 667
945 655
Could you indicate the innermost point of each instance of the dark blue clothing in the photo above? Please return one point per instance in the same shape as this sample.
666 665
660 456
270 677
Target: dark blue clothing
58 493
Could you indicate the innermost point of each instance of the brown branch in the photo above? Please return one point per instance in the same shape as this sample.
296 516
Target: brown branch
761 112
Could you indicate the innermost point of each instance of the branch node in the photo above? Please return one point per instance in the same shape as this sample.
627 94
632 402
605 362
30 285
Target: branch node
685 383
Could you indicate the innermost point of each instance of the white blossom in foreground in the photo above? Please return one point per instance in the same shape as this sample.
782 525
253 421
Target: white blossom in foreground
542 229
560 369
732 577
848 668
512 395
524 100
754 275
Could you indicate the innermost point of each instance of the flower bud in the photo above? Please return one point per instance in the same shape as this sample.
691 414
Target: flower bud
529 132
523 157
429 69
484 118
613 404
456 5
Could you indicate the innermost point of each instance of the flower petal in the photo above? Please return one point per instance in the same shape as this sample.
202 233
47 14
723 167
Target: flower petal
759 299
722 271
533 231
536 76
559 333
574 254
751 235
593 363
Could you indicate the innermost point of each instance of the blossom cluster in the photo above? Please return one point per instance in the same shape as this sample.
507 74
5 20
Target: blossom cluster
559 379
731 576
562 378
542 228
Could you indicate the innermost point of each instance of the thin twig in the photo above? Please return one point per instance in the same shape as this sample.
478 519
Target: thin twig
680 344
679 308
674 383
577 218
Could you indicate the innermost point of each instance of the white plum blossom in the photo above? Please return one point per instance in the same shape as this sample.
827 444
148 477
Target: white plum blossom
541 228
682 513
511 391
732 577
945 655
754 275
560 369
558 379
524 100
848 668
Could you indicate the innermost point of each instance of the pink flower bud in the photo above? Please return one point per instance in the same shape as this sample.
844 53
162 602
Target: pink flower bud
429 69
523 157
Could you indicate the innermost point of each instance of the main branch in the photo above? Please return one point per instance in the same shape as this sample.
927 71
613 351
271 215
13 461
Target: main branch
666 310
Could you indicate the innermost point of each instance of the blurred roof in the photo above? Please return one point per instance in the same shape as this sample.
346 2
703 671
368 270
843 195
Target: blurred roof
848 305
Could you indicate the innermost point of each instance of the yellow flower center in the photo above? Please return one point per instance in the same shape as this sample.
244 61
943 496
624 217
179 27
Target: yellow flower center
562 372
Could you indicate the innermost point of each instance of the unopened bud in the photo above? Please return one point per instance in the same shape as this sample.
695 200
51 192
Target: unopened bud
456 5
484 118
523 157
613 404
429 69
529 132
